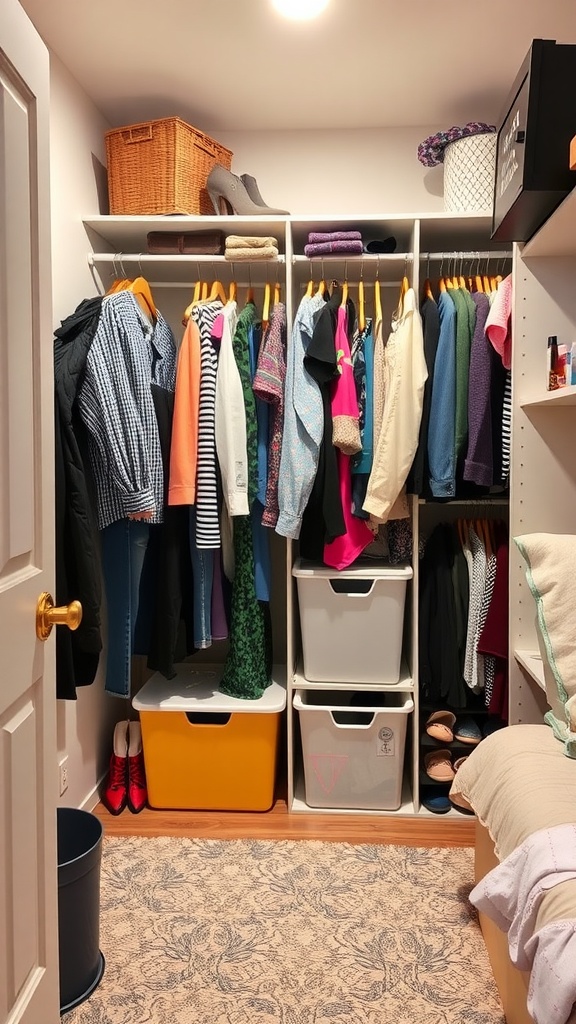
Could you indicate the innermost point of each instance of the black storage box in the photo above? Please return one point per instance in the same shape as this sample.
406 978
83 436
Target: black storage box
533 173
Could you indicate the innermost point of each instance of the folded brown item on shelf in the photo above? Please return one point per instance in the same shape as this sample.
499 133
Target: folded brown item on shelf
190 243
250 241
266 252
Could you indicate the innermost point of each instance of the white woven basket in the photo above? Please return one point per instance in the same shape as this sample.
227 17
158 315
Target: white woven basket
469 171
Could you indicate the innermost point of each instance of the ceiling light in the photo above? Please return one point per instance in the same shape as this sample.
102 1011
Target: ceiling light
300 10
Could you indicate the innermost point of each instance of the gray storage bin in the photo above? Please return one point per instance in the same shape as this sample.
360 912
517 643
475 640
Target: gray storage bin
353 747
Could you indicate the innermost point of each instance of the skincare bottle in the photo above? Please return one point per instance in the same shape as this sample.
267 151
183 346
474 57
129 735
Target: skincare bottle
568 367
552 362
561 365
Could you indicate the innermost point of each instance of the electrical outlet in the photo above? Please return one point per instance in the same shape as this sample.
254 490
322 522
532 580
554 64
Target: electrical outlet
63 769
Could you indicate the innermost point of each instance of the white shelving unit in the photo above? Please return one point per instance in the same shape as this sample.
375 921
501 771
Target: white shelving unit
563 396
116 240
543 477
532 662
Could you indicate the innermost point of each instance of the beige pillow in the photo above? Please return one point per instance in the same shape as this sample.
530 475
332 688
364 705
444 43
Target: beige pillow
551 574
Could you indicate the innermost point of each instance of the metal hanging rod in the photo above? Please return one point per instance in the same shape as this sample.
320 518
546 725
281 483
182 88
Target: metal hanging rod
138 257
355 259
494 254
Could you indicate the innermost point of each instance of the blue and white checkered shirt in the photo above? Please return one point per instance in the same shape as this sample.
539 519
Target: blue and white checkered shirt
115 402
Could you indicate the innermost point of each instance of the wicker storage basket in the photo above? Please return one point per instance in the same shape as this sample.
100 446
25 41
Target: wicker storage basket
161 167
469 172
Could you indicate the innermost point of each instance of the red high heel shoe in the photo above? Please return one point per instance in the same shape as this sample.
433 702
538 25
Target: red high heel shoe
115 794
137 792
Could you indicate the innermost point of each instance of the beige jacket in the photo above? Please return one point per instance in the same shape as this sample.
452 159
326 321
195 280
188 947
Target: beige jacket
405 375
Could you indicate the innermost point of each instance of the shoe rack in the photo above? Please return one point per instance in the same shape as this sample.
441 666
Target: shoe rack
114 242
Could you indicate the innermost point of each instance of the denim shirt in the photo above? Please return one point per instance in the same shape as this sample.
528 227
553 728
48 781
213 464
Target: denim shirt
303 425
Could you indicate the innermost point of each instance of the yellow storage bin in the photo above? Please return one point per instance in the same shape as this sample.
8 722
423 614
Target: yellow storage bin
204 750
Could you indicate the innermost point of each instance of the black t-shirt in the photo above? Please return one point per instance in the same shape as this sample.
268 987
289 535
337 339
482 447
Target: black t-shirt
323 518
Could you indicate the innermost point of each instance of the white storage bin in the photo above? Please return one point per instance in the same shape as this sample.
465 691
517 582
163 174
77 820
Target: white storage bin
353 755
469 174
351 622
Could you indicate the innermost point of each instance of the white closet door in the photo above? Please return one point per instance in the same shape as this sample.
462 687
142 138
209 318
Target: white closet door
28 772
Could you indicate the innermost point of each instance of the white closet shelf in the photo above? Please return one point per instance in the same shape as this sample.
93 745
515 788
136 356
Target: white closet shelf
557 236
563 396
452 813
300 806
129 233
404 685
532 663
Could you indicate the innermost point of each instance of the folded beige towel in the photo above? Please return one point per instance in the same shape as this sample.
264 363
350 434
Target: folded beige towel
250 241
266 252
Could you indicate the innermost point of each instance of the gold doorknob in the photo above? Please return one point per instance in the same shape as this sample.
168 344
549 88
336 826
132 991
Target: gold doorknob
47 615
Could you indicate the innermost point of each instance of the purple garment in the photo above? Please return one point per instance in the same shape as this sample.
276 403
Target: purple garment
478 467
334 236
351 248
268 384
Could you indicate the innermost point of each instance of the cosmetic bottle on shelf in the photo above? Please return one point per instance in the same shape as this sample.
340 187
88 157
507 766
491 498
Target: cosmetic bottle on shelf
552 363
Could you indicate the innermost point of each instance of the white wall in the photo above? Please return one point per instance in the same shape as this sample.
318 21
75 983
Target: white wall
363 171
77 137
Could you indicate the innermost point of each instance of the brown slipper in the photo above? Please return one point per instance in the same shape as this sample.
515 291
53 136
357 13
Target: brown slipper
439 766
439 726
459 762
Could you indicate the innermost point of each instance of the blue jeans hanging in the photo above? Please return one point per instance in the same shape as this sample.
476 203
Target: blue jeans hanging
123 549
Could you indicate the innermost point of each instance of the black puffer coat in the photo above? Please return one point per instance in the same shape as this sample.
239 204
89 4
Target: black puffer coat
78 572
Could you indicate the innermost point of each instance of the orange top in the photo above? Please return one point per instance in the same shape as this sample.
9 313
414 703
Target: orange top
184 448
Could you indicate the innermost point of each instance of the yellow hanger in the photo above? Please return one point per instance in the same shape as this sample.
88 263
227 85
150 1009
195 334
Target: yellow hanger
462 283
428 289
479 283
119 285
232 291
321 287
344 295
195 301
250 294
266 305
310 289
404 286
377 301
361 307
217 292
204 291
277 293
141 289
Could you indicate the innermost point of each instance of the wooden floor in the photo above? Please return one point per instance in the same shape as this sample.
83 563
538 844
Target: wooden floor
278 824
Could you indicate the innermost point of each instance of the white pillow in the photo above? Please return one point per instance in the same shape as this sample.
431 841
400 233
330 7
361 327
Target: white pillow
551 574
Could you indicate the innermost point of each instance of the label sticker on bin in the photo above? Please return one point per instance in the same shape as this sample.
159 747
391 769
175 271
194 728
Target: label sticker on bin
385 742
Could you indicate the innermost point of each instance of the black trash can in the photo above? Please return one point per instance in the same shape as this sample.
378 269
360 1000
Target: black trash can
79 856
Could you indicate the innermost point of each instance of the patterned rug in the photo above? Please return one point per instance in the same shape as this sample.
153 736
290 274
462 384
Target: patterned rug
251 932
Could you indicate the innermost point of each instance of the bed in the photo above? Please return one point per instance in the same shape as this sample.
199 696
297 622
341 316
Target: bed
518 781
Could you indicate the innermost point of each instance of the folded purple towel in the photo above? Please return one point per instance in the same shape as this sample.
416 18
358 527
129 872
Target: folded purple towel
334 236
333 248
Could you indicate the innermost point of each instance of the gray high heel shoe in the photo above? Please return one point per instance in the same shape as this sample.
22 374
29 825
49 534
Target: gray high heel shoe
228 194
254 192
